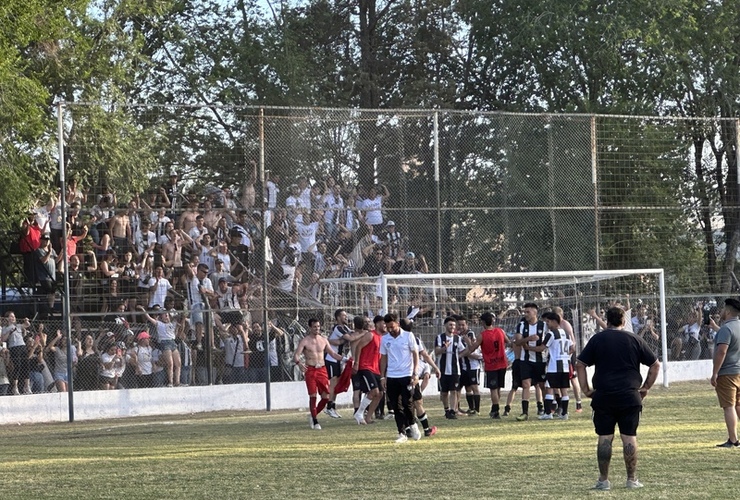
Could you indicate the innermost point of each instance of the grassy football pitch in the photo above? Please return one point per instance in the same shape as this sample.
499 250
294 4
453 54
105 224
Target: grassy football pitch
275 455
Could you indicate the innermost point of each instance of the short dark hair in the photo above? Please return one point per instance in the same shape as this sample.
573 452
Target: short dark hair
551 316
532 305
378 319
459 317
311 322
337 313
615 316
359 322
390 317
488 318
449 318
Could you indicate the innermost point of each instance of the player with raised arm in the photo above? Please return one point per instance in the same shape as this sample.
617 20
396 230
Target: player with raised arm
492 343
314 347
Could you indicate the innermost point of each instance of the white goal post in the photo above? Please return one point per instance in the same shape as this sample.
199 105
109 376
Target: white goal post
431 297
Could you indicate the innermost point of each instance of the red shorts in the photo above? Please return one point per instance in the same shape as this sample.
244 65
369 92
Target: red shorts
316 380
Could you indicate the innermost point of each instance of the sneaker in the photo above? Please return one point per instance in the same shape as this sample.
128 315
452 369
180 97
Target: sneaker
310 421
471 413
522 418
496 416
389 416
634 483
451 415
564 416
431 431
579 407
729 444
415 434
401 438
540 411
506 413
604 485
317 427
359 417
546 416
333 413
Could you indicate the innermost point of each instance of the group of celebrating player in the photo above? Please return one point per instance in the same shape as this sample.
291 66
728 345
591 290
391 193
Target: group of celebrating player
390 362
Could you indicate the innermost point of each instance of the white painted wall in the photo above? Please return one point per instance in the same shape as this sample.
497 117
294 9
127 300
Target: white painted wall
182 400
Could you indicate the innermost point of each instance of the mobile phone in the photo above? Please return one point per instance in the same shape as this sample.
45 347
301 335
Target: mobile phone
706 316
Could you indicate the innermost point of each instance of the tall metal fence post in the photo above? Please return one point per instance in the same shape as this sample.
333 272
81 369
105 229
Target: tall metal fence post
66 309
594 182
437 189
265 320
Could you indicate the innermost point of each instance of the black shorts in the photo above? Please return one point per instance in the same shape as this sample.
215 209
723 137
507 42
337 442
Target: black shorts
606 418
495 379
367 380
534 371
558 380
333 369
516 375
416 393
449 383
468 378
356 382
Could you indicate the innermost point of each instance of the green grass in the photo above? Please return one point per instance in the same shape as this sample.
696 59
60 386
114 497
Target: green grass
260 455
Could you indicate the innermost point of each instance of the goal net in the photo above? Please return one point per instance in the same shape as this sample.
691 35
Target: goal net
429 298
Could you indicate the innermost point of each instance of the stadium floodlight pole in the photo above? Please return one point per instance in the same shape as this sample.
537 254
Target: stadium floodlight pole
66 309
265 327
436 184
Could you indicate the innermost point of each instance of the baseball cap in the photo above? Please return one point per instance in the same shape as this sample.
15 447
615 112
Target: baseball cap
223 280
410 255
390 223
142 336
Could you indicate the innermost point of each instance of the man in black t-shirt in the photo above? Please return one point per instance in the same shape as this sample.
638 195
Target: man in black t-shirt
617 395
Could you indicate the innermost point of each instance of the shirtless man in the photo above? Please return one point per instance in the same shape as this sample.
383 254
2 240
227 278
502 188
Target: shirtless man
120 231
314 347
187 220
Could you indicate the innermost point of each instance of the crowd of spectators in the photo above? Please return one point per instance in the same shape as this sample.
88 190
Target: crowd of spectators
167 256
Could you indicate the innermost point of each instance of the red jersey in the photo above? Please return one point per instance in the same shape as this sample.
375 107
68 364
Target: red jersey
370 355
493 347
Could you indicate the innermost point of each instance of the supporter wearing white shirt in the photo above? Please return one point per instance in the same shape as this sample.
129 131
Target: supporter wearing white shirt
158 286
373 206
307 233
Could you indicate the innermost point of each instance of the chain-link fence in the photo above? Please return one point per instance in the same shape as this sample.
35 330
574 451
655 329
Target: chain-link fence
272 200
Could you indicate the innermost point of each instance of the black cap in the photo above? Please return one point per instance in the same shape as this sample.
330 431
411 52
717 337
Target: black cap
733 303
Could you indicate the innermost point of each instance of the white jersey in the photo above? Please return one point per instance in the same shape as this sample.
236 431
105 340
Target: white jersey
558 345
399 351
194 285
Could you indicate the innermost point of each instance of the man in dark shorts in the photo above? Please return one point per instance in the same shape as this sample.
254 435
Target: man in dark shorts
333 367
492 342
531 332
560 348
448 346
616 398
